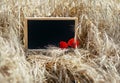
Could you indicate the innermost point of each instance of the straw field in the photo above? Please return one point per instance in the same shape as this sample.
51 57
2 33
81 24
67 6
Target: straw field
97 60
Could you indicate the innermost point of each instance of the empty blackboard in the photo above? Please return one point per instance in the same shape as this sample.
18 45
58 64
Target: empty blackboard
46 31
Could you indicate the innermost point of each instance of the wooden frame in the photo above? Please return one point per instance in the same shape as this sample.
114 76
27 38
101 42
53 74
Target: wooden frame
43 18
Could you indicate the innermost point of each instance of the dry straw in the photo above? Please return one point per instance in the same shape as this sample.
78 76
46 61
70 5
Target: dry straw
95 61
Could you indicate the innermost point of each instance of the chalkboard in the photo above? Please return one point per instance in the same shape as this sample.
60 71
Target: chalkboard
42 32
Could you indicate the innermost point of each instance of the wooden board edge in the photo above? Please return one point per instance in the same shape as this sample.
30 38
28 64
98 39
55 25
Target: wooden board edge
25 35
51 18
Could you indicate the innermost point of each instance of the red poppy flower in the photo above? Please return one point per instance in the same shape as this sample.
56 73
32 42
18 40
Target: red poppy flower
63 44
73 43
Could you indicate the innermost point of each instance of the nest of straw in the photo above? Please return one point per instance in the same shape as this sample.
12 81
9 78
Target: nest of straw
95 61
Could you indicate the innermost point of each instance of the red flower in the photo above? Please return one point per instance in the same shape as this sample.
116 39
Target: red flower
73 43
63 44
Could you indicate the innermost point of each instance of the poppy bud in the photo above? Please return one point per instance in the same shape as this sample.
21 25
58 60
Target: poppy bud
73 43
63 44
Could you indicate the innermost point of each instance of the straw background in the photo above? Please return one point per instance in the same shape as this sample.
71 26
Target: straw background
97 60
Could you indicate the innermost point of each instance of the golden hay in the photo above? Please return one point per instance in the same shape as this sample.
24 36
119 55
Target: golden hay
96 61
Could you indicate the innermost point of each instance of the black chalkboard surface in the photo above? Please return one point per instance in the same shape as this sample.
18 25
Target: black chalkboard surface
42 32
